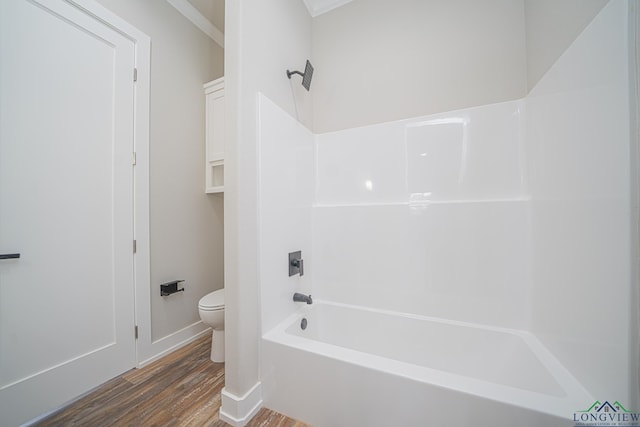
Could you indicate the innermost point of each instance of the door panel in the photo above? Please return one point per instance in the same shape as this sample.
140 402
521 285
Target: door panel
66 205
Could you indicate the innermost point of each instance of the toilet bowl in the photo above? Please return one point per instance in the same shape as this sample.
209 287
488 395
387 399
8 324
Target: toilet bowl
211 310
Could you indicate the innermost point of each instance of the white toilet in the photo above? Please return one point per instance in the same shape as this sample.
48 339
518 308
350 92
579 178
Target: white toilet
211 310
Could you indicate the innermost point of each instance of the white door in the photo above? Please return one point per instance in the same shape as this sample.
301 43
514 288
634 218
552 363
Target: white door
66 205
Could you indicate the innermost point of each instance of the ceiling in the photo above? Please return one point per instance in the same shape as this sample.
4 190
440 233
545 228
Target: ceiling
213 10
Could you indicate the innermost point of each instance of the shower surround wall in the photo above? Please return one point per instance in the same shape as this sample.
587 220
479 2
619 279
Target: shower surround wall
580 172
286 198
426 216
515 214
448 189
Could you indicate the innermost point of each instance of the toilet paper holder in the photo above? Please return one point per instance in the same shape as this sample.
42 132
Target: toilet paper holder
170 288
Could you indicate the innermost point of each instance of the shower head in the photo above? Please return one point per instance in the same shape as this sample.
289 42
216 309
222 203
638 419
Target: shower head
306 76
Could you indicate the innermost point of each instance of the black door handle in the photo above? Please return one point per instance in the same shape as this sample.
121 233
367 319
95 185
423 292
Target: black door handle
9 256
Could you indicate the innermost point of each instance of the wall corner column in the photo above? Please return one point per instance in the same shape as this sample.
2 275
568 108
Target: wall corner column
242 394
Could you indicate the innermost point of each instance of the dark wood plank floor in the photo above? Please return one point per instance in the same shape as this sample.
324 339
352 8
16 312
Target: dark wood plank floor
180 389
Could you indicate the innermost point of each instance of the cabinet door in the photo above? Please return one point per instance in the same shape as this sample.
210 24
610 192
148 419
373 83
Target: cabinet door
215 126
215 136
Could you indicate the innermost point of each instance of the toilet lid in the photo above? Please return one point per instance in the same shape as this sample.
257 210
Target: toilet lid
213 300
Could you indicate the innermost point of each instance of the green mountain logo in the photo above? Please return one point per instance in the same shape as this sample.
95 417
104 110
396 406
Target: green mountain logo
607 407
619 406
596 405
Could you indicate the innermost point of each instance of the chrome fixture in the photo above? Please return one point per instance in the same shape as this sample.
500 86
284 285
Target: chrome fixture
306 76
296 264
302 298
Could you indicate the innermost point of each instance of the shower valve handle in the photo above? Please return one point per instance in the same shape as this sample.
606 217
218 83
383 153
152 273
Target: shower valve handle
299 263
296 264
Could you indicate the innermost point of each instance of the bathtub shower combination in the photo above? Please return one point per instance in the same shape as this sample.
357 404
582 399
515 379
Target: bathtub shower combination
473 267
356 366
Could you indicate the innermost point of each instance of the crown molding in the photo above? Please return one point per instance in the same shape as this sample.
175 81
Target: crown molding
318 7
193 15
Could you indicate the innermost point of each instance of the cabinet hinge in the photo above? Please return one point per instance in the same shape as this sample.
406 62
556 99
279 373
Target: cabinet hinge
135 74
135 329
133 160
134 246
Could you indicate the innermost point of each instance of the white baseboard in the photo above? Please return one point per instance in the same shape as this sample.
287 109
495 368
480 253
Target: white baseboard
174 341
238 410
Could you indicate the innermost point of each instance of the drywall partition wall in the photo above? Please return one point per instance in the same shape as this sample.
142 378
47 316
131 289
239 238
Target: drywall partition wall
426 216
578 149
634 94
551 26
379 61
186 229
286 195
263 40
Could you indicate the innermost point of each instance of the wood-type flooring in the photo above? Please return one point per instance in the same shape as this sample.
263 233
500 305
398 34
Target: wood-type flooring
180 389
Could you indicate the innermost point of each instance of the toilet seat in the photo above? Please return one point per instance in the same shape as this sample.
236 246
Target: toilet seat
212 301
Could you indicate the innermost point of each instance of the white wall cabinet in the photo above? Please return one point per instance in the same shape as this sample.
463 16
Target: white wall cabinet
214 136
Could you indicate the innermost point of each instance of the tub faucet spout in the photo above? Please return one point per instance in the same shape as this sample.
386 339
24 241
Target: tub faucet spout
302 298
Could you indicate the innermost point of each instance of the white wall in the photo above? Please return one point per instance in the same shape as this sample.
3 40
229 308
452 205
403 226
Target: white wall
186 225
426 216
409 58
286 195
634 52
551 26
578 147
263 40
378 61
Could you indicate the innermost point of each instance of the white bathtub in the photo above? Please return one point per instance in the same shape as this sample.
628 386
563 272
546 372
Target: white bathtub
354 366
